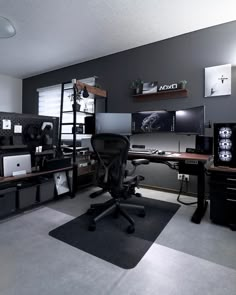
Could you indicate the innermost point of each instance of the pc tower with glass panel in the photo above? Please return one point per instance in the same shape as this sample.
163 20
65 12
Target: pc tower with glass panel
225 144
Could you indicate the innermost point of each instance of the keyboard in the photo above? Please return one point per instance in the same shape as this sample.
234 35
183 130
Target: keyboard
143 151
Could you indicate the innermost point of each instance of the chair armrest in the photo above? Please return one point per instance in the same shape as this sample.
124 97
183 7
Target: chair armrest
138 162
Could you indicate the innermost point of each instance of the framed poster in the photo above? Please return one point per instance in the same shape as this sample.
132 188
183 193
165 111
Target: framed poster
61 182
218 80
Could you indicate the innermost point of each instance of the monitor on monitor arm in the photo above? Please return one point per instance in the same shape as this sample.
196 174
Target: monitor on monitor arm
190 121
119 123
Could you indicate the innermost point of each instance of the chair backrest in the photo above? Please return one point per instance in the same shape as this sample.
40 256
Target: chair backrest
112 153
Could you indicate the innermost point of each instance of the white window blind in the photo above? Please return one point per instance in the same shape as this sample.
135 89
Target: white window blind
49 101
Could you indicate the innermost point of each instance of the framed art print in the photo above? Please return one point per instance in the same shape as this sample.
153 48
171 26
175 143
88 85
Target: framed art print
61 181
218 80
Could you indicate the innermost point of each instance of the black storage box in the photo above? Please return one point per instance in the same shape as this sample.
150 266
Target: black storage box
55 164
46 189
26 194
7 201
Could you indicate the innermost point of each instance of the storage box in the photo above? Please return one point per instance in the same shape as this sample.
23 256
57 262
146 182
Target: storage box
55 164
46 190
7 201
26 195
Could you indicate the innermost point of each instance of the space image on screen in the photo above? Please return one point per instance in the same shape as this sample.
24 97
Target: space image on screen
153 121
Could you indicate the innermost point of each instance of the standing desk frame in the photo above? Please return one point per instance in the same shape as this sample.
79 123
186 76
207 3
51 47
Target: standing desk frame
196 162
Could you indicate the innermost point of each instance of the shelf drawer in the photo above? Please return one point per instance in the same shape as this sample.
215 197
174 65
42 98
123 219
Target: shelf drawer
223 191
230 193
223 198
223 211
222 184
224 178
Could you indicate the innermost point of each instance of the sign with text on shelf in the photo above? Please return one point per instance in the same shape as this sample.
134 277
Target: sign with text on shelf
173 86
153 87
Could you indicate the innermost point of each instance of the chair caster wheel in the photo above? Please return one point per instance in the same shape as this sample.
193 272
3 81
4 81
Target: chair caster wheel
142 214
90 211
92 227
130 229
138 195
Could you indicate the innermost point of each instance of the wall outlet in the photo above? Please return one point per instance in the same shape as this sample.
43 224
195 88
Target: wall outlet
185 177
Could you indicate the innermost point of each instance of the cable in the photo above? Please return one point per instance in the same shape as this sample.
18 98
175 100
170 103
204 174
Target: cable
180 191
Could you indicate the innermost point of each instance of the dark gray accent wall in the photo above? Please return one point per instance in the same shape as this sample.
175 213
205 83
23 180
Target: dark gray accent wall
171 60
180 58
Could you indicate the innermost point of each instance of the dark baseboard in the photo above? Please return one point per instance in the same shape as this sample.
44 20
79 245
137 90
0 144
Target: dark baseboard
168 190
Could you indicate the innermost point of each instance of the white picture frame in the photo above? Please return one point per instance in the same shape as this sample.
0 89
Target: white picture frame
218 80
61 182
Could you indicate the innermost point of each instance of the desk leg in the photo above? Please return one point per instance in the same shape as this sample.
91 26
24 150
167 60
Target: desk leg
201 202
74 180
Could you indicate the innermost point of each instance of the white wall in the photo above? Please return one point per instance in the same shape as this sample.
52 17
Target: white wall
10 94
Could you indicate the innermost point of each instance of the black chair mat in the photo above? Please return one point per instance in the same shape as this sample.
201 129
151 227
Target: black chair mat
110 241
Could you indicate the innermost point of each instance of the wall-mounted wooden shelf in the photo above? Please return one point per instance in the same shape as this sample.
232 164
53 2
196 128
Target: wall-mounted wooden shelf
178 93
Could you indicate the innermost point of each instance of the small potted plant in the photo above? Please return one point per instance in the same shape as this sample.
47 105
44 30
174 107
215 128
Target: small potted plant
182 84
137 86
78 99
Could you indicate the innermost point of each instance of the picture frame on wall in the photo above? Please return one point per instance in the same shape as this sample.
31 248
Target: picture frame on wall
149 87
218 80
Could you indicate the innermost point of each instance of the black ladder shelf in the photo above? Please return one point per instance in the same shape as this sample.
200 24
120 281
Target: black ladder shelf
73 93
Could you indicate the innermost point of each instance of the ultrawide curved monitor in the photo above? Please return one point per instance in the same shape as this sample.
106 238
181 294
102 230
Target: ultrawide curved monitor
153 121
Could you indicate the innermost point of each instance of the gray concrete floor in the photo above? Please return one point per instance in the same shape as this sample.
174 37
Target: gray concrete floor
185 259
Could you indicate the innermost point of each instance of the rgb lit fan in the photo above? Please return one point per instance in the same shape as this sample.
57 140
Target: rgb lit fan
225 144
225 132
225 156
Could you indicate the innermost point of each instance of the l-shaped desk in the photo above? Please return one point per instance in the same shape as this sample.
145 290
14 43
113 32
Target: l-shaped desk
189 163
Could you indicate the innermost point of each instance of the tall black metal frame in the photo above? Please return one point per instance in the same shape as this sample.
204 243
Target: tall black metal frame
74 123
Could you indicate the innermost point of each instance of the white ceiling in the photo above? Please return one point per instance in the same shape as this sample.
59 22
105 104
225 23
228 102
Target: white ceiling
56 33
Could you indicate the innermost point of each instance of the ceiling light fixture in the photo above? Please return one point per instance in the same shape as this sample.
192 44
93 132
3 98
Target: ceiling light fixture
7 29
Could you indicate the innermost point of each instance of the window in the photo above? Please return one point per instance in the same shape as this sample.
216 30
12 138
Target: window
49 98
49 104
49 101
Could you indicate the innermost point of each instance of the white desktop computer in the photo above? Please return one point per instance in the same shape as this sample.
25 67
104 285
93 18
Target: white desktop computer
16 165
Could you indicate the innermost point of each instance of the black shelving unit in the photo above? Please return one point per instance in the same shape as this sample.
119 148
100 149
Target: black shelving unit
98 95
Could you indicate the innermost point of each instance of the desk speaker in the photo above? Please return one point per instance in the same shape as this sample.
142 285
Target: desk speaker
89 124
191 150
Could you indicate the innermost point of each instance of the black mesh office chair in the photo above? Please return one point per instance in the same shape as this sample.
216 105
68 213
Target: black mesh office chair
112 153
